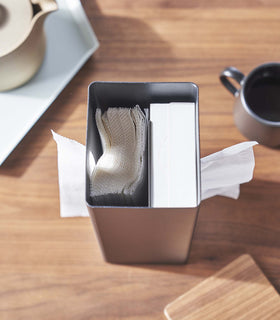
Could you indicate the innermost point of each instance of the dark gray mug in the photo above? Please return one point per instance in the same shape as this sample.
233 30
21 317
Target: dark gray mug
257 102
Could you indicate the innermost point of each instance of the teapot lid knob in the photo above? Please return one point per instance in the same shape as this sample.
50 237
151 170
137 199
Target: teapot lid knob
15 23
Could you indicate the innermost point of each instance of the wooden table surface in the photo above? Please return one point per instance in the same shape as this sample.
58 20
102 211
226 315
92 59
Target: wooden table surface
52 268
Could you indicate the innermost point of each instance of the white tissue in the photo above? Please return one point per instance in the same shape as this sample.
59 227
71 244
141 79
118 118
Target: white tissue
71 176
221 173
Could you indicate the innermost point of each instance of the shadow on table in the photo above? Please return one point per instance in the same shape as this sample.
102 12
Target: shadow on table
108 29
228 228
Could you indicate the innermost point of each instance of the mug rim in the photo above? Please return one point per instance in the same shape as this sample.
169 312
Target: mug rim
244 102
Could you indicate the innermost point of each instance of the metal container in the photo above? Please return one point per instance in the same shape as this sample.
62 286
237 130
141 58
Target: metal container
140 234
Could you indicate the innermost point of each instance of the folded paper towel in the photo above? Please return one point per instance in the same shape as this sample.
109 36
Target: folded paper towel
119 174
221 173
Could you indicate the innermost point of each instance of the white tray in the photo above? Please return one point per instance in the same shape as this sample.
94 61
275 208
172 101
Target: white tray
70 42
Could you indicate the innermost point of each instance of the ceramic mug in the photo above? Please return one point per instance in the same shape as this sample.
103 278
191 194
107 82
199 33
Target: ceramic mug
257 102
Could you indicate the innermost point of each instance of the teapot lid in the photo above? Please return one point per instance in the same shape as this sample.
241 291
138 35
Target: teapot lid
15 23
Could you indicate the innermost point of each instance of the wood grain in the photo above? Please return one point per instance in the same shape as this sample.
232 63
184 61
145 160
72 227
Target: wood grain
51 268
238 291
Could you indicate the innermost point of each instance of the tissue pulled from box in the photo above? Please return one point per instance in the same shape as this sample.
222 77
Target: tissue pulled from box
119 174
223 172
71 161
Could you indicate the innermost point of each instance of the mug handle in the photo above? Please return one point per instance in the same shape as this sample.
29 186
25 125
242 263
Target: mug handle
233 73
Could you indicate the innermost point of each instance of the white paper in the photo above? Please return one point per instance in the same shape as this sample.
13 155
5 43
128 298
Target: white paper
71 176
173 154
221 173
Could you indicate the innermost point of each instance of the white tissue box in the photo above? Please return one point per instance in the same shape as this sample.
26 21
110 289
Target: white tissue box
142 234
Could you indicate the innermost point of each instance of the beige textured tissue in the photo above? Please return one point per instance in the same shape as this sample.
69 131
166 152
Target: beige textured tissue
120 171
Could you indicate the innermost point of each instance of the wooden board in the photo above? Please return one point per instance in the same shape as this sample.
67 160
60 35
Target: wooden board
238 291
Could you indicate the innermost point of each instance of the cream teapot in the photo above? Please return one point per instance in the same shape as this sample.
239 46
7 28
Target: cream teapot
22 39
